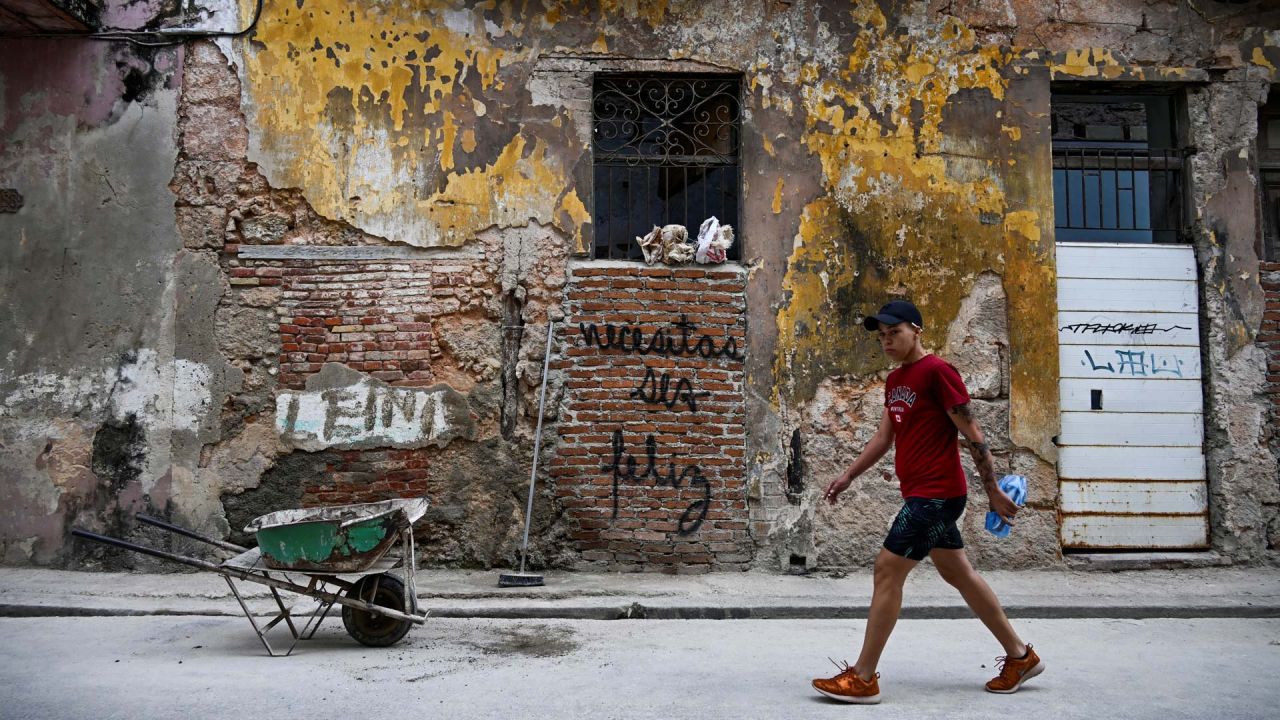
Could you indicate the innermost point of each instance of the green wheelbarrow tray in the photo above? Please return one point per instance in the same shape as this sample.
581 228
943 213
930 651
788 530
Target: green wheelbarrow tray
333 540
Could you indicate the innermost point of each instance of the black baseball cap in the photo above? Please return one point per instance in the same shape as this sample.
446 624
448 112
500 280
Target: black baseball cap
892 313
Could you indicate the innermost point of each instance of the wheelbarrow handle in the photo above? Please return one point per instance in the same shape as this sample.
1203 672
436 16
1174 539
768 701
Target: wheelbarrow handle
260 578
188 533
165 555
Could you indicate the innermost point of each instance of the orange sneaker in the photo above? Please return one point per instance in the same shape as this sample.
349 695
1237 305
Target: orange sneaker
1015 671
848 687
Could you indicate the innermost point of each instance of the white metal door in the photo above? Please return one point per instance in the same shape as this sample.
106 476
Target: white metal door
1132 462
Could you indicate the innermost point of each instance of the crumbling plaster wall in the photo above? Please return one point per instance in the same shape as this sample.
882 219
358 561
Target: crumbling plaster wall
889 149
1244 485
369 370
425 125
1146 42
101 393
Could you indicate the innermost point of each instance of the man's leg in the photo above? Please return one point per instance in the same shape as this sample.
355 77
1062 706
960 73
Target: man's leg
886 602
954 567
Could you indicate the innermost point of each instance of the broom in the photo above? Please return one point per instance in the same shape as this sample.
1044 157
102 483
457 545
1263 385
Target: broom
522 578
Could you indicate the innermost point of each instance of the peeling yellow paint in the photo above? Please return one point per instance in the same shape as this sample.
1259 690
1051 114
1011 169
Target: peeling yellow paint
874 124
777 197
447 134
578 216
1103 63
917 71
374 91
1260 58
523 184
808 323
1025 223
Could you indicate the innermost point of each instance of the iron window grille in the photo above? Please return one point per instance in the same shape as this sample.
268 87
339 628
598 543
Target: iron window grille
665 150
1117 170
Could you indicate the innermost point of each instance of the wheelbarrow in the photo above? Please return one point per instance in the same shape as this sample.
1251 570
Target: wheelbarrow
343 554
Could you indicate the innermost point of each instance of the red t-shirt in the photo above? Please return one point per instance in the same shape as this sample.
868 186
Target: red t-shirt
927 451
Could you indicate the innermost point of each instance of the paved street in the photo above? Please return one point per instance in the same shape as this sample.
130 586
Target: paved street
212 667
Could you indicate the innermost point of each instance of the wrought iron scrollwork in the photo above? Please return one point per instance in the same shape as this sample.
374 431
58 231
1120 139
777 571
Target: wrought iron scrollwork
667 120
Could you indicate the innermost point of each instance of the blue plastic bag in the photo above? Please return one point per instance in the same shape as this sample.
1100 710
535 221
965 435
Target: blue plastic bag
1015 486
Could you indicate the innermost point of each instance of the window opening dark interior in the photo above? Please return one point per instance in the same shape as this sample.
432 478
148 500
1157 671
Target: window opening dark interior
1269 170
1117 168
665 150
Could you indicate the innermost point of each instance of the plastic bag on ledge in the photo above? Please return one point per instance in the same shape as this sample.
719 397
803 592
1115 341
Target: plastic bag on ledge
714 241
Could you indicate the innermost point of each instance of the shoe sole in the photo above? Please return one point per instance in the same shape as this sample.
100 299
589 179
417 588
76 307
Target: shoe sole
857 700
1034 671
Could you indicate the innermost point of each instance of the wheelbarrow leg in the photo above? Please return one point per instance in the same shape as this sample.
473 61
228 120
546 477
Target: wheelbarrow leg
284 615
309 630
410 572
326 607
261 633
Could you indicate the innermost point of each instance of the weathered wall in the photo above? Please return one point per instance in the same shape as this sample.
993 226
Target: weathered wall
89 382
378 208
1244 492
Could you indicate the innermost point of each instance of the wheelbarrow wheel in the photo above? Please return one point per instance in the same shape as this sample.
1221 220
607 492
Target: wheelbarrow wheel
376 629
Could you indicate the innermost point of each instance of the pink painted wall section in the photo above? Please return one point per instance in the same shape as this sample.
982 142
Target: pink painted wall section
88 80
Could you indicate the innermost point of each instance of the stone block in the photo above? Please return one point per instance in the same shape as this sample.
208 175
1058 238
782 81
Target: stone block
981 366
206 182
214 132
247 333
1033 543
1042 478
261 297
208 77
266 229
993 418
201 227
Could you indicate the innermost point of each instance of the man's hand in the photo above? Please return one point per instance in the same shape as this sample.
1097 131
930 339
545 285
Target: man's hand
837 486
1001 504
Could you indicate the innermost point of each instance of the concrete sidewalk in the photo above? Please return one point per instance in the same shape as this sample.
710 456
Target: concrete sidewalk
1215 592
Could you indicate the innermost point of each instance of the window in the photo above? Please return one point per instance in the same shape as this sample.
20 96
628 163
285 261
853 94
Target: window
665 150
1117 169
1269 170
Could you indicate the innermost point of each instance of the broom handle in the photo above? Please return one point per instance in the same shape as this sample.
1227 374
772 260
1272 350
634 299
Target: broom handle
537 444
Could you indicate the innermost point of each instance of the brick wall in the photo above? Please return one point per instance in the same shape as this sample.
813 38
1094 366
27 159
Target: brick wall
1269 339
372 316
651 458
379 317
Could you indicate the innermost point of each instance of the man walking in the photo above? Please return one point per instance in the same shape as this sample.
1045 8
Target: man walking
926 402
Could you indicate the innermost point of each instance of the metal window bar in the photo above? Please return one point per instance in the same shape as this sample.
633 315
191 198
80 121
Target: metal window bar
660 133
1118 194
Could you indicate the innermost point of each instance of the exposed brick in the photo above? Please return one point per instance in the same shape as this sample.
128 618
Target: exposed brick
602 398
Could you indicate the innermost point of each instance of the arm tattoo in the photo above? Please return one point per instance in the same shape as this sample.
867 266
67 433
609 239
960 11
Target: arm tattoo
981 454
979 451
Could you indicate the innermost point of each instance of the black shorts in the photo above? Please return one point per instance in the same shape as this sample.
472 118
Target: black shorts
924 524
